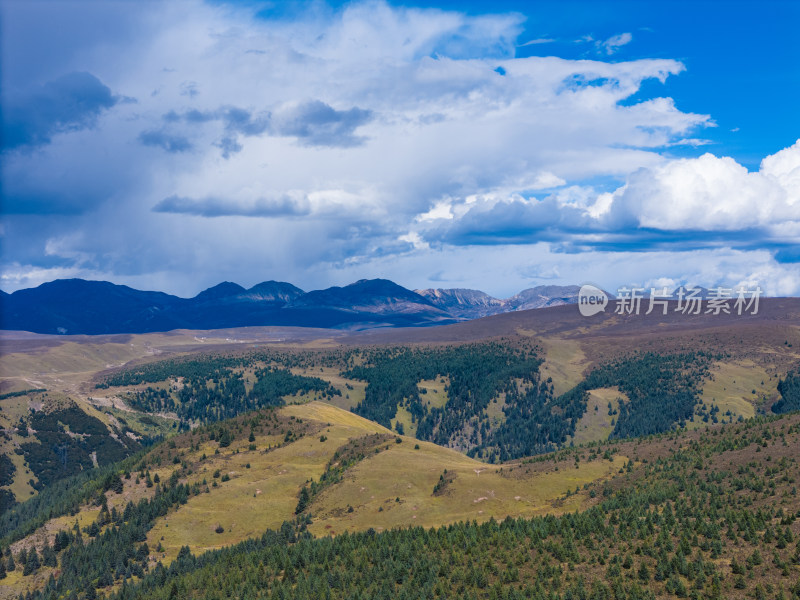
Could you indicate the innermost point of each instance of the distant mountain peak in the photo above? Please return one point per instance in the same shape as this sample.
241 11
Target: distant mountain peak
274 291
542 296
225 289
364 294
463 303
77 306
378 284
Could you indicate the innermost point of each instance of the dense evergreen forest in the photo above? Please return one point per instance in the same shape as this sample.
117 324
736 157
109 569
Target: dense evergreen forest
61 497
662 391
217 387
789 389
202 400
477 373
7 470
67 441
691 516
210 366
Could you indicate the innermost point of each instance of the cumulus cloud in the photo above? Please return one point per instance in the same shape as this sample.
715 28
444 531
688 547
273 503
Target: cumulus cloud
699 202
712 193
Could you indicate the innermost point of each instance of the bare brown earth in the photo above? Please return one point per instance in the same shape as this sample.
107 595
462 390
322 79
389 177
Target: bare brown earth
777 319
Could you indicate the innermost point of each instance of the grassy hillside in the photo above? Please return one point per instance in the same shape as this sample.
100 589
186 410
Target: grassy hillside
602 409
239 488
712 512
497 400
274 438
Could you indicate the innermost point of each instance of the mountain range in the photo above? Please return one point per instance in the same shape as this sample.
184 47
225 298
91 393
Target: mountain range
77 306
474 304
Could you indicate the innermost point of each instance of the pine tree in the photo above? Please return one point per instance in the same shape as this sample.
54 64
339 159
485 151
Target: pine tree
49 558
303 501
58 542
32 563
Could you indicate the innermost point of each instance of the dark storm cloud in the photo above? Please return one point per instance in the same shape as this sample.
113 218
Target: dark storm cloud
318 124
69 103
282 206
170 142
235 121
314 123
243 121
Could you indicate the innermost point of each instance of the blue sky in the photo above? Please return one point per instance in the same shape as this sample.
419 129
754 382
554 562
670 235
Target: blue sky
173 145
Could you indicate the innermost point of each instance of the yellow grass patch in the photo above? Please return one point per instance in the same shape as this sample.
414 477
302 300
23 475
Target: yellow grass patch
404 417
265 495
596 424
565 362
731 388
478 492
494 411
349 398
435 396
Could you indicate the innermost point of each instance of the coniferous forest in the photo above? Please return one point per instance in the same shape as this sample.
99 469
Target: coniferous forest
690 516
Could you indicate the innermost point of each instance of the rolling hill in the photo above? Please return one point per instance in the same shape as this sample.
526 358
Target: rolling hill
509 431
268 502
483 387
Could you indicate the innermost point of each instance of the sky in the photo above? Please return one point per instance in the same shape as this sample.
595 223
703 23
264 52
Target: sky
489 145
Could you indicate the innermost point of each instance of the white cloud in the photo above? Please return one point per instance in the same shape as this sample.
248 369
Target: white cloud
712 193
536 42
707 202
614 43
415 240
504 270
442 210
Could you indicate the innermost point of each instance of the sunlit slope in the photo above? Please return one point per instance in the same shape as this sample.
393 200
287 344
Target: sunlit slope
257 482
597 423
393 487
737 387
